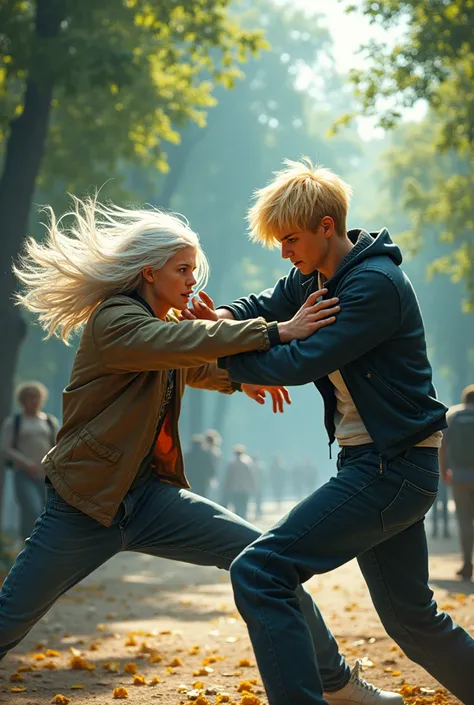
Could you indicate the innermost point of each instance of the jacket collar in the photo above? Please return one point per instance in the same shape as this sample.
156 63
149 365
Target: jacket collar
136 296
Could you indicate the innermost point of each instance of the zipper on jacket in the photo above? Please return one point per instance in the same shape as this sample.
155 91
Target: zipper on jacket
380 464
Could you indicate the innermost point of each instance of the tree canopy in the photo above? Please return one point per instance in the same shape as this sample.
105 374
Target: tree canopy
432 61
126 74
89 87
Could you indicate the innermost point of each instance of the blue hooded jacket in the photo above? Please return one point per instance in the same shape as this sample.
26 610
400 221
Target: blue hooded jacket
377 343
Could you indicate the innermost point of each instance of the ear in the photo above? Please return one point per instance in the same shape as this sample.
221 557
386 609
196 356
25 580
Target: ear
148 274
328 226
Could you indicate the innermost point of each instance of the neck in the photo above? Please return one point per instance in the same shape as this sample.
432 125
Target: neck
339 247
159 308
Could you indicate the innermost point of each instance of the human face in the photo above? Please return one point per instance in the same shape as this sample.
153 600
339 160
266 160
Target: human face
308 250
32 403
172 285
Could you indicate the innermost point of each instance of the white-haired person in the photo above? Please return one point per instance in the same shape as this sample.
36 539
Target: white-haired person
115 478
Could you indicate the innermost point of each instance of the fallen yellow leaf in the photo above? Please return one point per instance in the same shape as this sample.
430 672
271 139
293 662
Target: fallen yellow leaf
120 693
49 665
249 699
204 671
156 658
78 663
112 667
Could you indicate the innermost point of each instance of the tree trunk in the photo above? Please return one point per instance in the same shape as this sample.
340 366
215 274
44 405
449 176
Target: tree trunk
23 155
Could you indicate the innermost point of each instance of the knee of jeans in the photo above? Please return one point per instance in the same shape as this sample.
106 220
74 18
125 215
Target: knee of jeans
241 572
403 623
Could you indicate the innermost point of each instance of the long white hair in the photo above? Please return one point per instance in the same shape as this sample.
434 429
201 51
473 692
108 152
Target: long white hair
100 253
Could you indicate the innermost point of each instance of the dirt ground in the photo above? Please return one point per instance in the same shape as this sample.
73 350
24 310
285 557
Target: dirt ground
173 629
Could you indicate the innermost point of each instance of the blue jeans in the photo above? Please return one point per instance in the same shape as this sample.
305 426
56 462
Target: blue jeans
441 512
30 493
157 519
373 511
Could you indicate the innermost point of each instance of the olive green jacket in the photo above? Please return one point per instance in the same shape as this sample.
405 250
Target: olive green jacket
112 402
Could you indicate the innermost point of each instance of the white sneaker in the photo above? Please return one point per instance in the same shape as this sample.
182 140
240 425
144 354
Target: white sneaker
358 690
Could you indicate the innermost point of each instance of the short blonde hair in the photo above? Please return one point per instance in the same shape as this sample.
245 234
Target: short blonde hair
26 388
298 197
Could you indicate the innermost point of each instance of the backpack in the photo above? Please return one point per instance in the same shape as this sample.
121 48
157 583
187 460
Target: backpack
16 434
460 439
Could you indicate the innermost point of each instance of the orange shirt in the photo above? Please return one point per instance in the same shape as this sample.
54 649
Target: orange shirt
166 452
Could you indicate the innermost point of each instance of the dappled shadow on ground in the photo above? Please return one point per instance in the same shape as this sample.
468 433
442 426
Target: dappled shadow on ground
454 586
441 546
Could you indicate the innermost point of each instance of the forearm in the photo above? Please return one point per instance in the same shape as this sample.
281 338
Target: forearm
139 343
360 327
17 458
224 314
284 331
253 368
279 303
212 378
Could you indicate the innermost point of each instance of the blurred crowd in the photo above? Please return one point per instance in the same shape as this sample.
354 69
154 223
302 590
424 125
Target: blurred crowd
246 482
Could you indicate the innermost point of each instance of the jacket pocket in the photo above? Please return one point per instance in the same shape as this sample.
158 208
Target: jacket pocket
388 392
409 505
105 451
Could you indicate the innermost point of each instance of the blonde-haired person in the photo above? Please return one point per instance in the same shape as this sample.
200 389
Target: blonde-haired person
115 478
25 439
373 373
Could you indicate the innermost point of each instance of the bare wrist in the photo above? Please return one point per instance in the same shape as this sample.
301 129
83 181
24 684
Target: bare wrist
284 332
224 314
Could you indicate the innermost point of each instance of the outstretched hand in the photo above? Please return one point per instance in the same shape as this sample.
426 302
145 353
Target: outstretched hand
312 316
202 308
279 395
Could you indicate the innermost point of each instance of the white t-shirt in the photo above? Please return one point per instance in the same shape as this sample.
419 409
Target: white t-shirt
34 439
350 429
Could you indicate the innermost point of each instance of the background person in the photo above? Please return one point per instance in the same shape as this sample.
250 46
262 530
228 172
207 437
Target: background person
26 437
457 468
239 481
